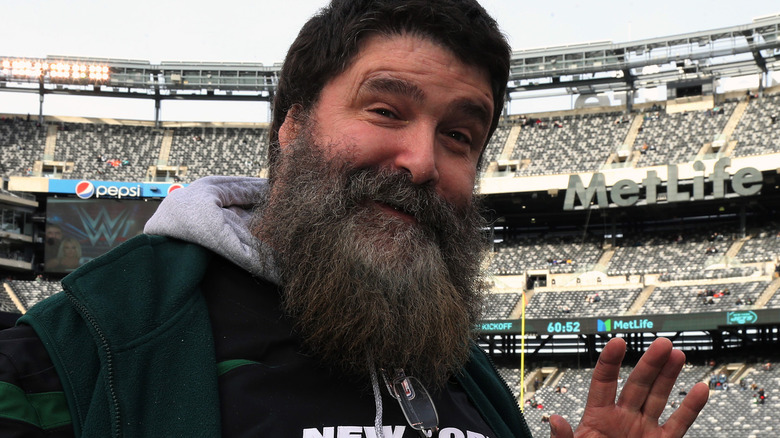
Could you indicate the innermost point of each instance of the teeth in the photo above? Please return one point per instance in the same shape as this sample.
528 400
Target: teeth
398 208
401 210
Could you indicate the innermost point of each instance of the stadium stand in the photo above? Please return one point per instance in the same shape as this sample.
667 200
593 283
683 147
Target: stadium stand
113 152
219 151
758 131
126 152
678 137
580 303
557 253
734 410
6 303
31 292
570 144
689 251
773 302
703 298
763 246
501 305
22 142
496 145
711 274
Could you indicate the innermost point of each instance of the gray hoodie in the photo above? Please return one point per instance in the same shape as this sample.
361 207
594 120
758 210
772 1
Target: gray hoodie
215 212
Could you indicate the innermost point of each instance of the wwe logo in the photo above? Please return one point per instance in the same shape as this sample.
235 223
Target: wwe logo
103 225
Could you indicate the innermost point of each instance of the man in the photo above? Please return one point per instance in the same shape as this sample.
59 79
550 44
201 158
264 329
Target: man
351 287
52 244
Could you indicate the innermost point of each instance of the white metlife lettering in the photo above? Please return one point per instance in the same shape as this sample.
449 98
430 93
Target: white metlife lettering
624 193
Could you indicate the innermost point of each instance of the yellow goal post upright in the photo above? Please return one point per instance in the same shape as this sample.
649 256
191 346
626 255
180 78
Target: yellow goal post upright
522 354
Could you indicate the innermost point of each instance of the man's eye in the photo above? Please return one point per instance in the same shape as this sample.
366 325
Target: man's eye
459 136
385 112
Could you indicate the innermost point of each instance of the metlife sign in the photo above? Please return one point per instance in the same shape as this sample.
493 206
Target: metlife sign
89 189
623 325
746 181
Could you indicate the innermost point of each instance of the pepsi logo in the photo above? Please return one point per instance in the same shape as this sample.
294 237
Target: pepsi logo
85 189
174 187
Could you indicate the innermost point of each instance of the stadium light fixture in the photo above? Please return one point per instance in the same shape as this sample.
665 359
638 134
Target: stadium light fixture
79 73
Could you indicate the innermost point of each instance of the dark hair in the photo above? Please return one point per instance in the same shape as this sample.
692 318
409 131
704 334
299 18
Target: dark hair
329 41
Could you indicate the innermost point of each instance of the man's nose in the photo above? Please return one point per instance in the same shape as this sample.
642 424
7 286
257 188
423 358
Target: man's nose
417 155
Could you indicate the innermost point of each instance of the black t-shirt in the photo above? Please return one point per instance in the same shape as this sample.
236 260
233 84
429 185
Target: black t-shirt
269 388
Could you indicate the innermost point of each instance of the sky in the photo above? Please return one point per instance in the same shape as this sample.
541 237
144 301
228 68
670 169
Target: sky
261 31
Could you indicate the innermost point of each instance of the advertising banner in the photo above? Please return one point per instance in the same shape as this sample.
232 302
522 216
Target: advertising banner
91 189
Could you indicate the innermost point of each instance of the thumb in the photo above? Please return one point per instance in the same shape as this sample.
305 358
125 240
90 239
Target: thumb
560 428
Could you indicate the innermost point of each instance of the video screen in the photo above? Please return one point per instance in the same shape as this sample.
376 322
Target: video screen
79 230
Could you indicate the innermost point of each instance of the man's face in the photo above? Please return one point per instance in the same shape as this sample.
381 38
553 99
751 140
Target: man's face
53 236
410 105
376 235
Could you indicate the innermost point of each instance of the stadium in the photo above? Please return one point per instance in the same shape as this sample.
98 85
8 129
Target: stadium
648 208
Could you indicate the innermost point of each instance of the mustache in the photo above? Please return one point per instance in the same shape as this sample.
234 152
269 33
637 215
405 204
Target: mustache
396 189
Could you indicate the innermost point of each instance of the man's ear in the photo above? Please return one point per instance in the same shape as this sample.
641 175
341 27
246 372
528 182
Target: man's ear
292 123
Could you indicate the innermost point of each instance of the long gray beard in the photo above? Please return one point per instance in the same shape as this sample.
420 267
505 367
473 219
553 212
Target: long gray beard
363 283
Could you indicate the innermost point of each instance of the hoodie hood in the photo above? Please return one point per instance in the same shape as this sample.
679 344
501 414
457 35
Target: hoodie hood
215 212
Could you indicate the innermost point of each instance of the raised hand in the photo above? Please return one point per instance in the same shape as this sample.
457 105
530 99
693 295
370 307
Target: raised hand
642 400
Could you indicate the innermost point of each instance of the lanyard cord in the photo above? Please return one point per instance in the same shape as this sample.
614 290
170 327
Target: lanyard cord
377 400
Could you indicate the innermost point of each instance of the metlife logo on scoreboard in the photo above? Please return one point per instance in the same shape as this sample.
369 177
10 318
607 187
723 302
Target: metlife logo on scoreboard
86 189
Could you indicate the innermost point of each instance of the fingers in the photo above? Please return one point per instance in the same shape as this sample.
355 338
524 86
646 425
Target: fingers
663 385
603 385
560 428
683 417
643 378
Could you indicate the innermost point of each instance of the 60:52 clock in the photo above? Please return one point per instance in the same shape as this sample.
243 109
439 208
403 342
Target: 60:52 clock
564 327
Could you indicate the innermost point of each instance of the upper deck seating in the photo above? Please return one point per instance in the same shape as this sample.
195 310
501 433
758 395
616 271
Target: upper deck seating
758 131
21 143
220 151
496 145
581 143
678 137
108 152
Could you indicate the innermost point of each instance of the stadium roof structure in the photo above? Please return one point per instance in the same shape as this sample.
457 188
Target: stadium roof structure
586 68
731 51
136 78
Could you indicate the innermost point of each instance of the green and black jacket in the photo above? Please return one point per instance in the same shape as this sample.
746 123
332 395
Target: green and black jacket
131 345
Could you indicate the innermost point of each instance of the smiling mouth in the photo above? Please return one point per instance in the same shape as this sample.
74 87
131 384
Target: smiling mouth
397 211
